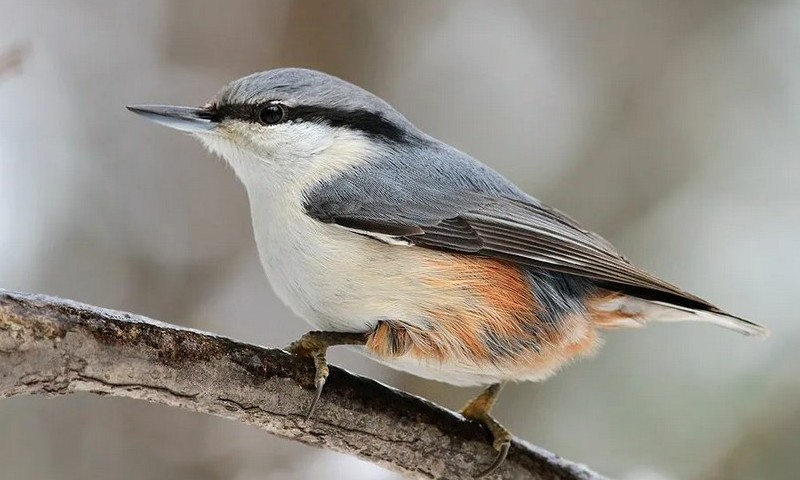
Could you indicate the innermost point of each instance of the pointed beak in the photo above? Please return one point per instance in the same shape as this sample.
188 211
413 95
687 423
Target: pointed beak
185 119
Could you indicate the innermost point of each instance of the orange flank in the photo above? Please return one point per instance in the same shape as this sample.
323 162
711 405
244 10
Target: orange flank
483 312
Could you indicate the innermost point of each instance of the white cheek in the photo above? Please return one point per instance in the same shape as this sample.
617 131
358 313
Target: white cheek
292 140
297 154
278 142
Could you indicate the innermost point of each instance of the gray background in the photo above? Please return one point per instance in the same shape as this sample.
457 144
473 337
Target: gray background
671 127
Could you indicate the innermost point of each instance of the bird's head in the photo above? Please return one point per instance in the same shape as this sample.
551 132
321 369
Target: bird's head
290 122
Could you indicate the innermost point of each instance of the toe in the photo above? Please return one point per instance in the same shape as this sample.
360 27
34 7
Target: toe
299 348
502 452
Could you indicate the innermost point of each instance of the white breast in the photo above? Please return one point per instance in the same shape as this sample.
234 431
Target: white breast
309 266
333 278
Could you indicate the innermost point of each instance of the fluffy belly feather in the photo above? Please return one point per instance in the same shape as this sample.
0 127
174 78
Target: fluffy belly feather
461 319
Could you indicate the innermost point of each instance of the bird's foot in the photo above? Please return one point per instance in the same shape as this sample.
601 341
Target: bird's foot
315 345
478 410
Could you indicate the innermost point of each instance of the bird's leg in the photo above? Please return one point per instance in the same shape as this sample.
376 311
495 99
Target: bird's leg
315 345
478 409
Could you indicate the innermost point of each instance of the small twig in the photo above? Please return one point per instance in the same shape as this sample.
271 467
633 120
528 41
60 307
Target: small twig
53 346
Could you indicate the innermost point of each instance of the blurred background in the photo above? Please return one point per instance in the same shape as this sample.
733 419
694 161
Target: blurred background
670 127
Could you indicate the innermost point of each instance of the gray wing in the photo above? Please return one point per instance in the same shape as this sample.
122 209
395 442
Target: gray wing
431 195
505 225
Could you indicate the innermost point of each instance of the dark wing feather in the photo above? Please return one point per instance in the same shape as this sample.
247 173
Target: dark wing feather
545 238
519 230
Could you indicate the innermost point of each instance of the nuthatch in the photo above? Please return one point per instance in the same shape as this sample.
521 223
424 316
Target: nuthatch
380 235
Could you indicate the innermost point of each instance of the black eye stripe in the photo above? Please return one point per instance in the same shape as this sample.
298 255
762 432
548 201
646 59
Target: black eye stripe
370 123
365 121
246 112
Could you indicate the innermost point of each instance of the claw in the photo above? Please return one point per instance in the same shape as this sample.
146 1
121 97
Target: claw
321 365
319 383
315 345
502 453
306 348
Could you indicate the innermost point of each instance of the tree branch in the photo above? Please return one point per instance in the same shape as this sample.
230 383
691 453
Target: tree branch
53 346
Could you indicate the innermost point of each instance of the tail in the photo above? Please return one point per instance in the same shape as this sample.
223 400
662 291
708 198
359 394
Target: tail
619 310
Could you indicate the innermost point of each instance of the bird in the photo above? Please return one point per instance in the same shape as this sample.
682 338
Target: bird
387 239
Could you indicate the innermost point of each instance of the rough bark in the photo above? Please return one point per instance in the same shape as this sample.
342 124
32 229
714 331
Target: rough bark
52 346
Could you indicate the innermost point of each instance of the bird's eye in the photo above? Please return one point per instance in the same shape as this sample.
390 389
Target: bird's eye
272 114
